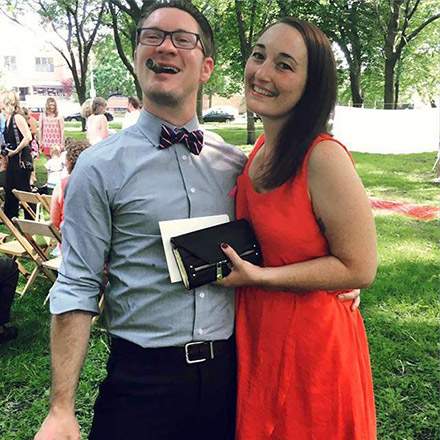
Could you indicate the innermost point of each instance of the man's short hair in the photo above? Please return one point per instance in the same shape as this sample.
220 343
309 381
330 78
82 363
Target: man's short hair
206 33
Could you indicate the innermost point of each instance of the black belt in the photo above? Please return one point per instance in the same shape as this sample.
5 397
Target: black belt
193 352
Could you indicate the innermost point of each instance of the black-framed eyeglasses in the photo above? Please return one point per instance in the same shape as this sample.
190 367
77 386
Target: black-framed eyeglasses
180 39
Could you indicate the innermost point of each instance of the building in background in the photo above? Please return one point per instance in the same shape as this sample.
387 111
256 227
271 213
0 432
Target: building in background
30 65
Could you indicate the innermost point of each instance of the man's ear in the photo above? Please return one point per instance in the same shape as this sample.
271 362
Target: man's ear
207 69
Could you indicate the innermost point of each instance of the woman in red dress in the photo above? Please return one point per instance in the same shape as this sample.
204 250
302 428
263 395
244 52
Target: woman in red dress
303 361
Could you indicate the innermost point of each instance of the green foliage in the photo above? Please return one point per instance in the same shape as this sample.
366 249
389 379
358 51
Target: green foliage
110 74
420 67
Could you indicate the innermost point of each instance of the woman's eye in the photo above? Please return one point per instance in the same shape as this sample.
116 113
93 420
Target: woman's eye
284 66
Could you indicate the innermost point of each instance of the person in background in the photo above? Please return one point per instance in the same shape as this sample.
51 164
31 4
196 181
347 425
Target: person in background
97 124
436 167
20 164
8 285
54 167
303 360
2 117
3 159
133 112
35 148
73 149
32 122
51 127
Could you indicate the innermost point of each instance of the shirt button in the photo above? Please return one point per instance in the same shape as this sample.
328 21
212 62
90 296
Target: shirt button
184 157
200 331
202 294
193 190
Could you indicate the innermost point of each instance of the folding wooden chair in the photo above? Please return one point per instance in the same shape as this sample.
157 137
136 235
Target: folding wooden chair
32 229
45 201
27 199
19 248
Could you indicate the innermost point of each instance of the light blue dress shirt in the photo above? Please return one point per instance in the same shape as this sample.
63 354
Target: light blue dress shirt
119 191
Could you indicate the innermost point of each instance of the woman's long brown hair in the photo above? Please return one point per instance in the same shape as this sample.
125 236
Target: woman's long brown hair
310 115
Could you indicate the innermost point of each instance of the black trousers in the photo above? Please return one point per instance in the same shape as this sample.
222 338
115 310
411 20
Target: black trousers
8 284
153 394
16 178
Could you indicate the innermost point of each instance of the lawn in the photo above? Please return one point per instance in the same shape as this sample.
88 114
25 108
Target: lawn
401 313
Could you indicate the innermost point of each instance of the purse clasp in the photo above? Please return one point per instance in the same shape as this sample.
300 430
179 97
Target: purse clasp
219 271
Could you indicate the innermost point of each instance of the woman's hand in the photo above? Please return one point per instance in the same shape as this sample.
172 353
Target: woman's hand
242 273
11 152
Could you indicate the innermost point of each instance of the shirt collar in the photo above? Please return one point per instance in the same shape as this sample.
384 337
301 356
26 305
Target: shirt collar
151 126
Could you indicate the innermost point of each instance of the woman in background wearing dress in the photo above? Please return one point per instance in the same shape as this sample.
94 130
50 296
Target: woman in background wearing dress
17 136
97 124
51 128
303 363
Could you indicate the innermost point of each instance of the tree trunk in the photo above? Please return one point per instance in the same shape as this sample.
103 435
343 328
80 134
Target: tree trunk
355 86
200 103
245 49
81 91
250 128
390 64
396 91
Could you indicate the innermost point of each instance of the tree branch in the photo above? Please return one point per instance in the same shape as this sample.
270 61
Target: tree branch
416 31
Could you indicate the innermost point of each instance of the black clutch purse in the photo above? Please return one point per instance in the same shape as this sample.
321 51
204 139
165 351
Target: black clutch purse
200 258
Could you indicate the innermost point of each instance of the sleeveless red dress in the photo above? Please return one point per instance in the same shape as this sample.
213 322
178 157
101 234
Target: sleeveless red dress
303 362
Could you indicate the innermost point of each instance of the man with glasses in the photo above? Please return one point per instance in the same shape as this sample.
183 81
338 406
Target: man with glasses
171 370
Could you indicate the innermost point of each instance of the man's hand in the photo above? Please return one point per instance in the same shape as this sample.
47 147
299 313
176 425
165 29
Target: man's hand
59 425
352 295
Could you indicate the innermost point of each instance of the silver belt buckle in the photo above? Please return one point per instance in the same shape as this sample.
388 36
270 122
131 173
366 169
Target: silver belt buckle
196 361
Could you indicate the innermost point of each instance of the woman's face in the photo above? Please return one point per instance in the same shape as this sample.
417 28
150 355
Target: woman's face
51 106
276 72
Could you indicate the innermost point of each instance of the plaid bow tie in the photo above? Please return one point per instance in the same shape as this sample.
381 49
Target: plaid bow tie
193 140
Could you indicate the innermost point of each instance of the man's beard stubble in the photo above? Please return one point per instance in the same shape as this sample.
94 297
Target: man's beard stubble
163 98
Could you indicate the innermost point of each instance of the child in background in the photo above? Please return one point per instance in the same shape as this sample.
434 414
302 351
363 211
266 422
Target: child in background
73 149
54 168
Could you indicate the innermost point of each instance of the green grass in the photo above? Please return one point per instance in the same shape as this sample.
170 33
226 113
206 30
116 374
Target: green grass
403 177
401 313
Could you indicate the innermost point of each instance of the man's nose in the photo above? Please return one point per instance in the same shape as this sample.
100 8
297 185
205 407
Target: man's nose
167 44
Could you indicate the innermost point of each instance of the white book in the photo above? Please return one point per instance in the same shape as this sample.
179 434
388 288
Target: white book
173 228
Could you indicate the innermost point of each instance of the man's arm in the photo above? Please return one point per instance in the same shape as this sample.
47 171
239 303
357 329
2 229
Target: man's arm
70 334
74 296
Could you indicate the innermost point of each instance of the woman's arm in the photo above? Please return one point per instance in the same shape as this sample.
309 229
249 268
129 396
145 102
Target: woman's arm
343 211
104 127
23 127
61 122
